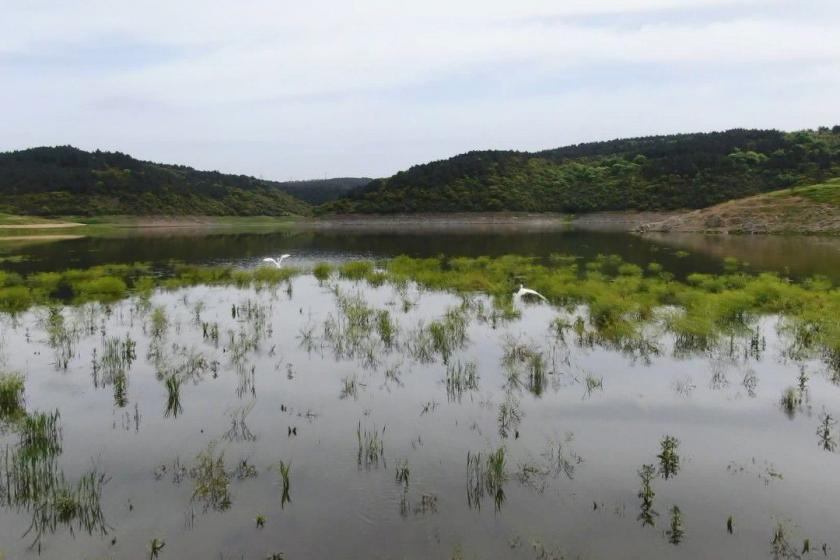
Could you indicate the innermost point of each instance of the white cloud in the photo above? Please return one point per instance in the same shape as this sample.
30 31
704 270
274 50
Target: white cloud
368 87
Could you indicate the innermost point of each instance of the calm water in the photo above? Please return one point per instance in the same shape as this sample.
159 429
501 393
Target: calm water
679 253
291 359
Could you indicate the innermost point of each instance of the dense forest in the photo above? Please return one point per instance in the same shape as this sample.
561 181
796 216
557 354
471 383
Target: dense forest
650 173
319 191
68 181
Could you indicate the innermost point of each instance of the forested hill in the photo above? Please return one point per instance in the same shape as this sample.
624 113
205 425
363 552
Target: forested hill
319 191
68 181
656 172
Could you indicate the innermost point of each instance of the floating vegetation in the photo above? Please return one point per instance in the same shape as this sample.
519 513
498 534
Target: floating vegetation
669 458
647 515
260 520
11 395
676 530
284 468
212 481
371 446
460 379
486 475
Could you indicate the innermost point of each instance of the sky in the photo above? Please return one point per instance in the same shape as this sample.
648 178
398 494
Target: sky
293 90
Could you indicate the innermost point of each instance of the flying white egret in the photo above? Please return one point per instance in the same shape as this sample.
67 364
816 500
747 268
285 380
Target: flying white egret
523 292
277 262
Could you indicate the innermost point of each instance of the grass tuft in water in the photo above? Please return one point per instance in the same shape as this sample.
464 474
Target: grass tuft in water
212 481
11 395
284 469
669 458
791 401
371 446
676 531
647 515
825 431
402 472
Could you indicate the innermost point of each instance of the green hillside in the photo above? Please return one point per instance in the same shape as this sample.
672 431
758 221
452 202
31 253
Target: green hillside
319 191
649 173
67 181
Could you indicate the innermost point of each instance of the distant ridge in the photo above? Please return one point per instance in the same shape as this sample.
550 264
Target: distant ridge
649 173
65 180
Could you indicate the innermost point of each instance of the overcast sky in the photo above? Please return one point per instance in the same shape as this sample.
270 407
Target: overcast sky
290 90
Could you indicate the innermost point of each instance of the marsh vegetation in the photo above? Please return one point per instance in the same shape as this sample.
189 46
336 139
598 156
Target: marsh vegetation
409 395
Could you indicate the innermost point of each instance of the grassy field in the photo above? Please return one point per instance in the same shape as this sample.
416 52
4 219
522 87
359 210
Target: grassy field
822 193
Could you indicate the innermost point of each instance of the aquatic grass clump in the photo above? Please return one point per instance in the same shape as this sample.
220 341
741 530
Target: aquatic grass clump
669 458
39 435
825 431
11 395
385 327
322 271
647 515
791 401
676 531
448 333
371 446
402 472
212 480
509 416
173 397
486 476
355 270
460 379
284 469
15 299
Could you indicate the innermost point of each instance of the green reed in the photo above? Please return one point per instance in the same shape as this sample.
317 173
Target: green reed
11 395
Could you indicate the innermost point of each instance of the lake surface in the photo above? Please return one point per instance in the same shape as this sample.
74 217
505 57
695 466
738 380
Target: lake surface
381 433
797 256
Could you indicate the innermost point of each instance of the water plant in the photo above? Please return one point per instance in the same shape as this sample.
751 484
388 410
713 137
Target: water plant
11 395
211 479
669 458
459 379
647 515
825 431
284 468
486 475
791 401
322 271
402 472
260 520
155 547
780 545
509 416
730 524
676 530
173 397
385 327
371 446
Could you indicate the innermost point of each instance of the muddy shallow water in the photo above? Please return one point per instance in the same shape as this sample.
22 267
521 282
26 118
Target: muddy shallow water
293 377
